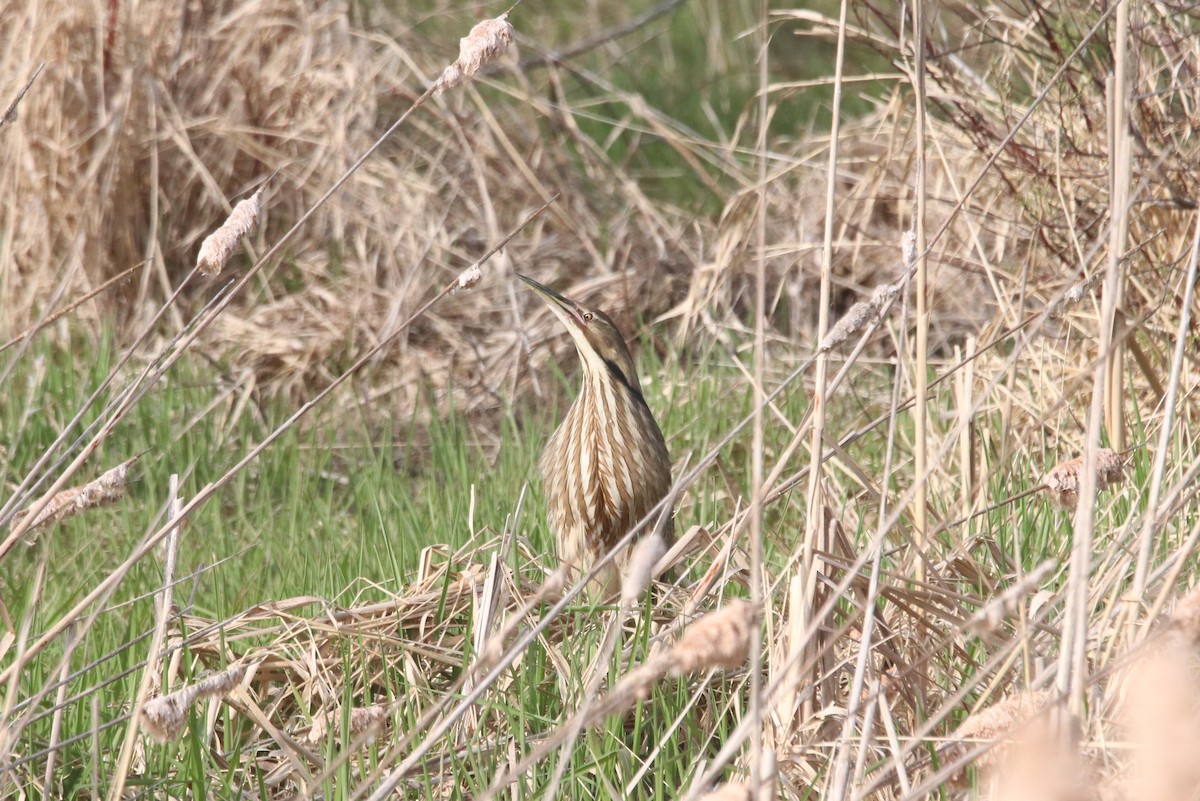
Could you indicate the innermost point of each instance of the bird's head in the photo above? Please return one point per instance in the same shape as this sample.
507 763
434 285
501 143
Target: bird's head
596 336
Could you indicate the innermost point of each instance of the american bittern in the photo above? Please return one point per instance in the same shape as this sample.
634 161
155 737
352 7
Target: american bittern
607 465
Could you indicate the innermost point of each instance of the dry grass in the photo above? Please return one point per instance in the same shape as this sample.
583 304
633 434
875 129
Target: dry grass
893 655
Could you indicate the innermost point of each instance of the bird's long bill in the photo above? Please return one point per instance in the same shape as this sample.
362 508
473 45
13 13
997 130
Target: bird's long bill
564 307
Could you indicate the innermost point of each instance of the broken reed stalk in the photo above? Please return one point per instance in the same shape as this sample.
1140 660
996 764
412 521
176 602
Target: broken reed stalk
1120 164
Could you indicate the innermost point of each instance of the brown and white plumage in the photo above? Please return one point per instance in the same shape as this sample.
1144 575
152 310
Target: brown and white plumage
607 465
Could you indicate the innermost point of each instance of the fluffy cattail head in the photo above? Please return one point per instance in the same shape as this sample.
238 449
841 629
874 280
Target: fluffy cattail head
220 245
363 719
164 717
109 488
467 280
1064 479
484 43
646 553
720 639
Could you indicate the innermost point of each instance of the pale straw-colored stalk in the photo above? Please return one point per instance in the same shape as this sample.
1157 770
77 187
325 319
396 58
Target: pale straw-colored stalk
151 671
813 524
1072 677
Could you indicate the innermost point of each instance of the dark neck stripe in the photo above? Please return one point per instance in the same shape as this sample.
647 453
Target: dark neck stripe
620 376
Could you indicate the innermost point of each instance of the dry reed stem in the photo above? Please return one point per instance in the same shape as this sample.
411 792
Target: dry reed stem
109 488
70 307
219 246
164 717
1064 480
486 42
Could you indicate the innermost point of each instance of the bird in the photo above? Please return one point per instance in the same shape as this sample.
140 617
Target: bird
607 465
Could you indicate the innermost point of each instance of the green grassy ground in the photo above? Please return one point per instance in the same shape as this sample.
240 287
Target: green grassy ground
347 521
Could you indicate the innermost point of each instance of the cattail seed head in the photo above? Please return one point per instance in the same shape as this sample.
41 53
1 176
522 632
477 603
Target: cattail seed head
1162 722
720 639
109 488
859 315
1185 617
362 720
1063 480
164 717
743 791
646 553
220 245
484 43
467 280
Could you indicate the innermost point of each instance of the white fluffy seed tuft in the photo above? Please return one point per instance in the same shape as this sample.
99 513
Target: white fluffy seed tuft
467 280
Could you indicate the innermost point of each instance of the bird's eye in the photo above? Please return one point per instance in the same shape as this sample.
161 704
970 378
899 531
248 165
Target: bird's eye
587 317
